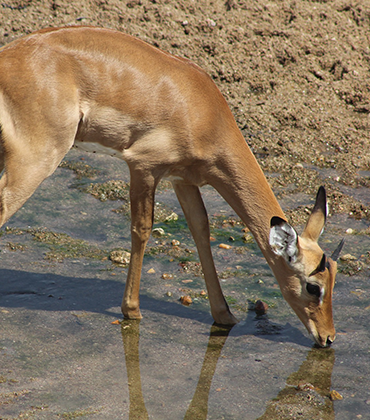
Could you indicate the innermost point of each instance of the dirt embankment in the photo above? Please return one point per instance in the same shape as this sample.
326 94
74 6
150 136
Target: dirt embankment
295 74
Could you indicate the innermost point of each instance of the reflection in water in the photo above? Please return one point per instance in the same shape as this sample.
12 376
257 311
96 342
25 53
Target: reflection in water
198 408
130 335
199 405
306 395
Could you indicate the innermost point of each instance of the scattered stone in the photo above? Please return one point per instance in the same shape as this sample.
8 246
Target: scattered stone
225 246
211 23
120 257
151 271
158 233
335 396
305 386
167 276
172 217
186 300
348 257
260 307
248 238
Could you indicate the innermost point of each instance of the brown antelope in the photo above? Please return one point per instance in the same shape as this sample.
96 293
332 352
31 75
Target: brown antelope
103 91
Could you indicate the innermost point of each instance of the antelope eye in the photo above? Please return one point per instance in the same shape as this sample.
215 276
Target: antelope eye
313 289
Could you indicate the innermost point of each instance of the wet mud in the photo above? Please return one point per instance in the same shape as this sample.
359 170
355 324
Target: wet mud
60 291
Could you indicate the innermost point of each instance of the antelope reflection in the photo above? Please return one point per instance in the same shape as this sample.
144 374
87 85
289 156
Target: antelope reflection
305 396
130 335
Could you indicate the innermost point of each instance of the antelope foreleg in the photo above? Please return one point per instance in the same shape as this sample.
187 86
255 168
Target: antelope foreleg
196 216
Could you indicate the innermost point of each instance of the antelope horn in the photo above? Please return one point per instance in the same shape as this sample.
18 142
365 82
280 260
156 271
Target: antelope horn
336 253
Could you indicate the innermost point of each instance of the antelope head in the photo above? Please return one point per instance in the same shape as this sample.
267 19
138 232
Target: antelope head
309 289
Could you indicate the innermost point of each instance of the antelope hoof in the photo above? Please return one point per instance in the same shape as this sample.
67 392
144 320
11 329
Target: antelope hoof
225 318
131 313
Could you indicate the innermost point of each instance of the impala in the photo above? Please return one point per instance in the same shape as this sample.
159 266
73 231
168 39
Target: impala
103 91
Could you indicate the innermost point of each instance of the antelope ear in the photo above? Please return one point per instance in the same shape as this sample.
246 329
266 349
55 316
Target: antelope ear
316 221
283 239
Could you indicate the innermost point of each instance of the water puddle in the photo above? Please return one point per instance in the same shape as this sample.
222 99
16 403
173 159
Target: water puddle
62 358
307 392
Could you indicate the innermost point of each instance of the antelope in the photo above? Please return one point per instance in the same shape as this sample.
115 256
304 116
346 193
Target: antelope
103 91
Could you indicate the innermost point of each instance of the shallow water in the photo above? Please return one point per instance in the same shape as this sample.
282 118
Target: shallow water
60 356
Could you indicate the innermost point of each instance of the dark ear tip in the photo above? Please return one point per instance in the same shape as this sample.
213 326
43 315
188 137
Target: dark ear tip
322 188
321 201
321 191
276 221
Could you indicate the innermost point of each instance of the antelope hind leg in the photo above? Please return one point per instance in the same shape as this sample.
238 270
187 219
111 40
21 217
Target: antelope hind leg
142 189
24 170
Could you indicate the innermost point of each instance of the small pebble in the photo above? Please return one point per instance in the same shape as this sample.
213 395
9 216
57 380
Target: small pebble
186 300
260 307
335 396
158 233
348 257
305 386
172 217
120 257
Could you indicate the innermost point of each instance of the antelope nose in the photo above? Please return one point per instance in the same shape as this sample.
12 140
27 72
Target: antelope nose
329 341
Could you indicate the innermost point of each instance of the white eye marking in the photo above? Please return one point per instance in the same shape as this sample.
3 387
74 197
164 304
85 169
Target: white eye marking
322 294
